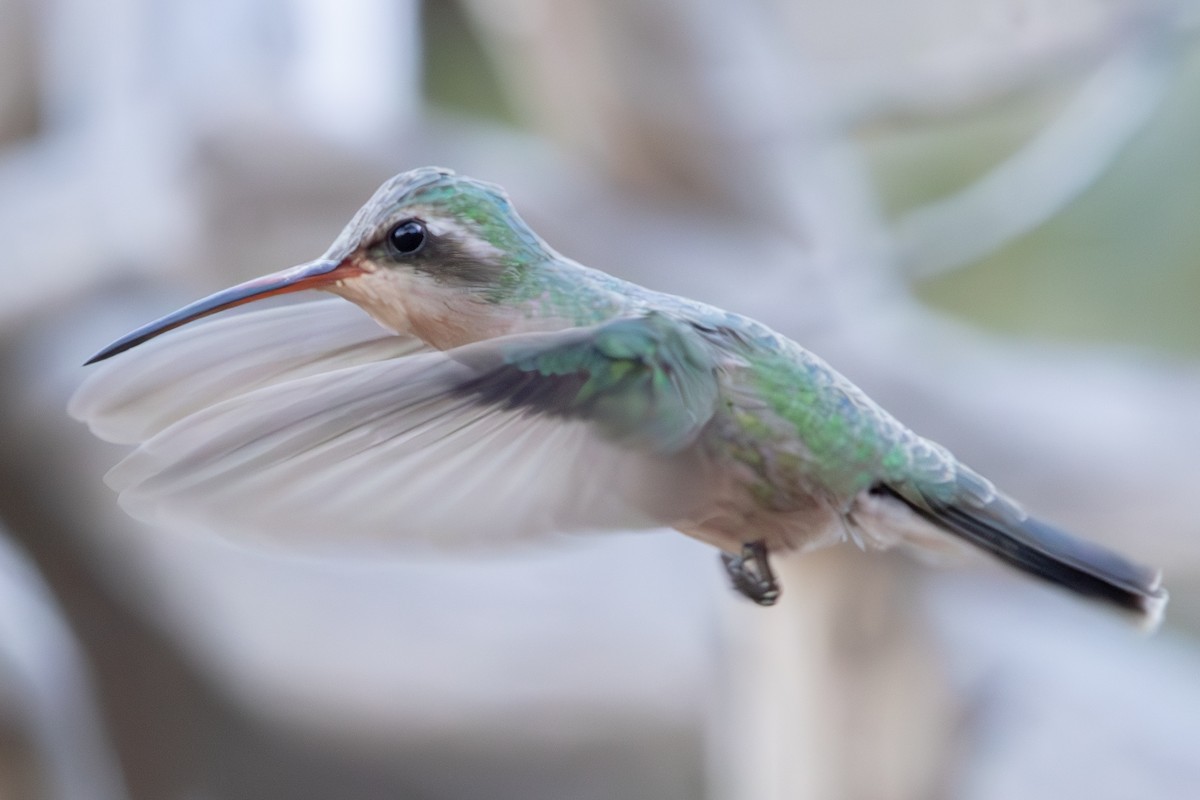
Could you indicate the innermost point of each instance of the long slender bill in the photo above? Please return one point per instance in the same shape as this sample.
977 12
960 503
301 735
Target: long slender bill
312 275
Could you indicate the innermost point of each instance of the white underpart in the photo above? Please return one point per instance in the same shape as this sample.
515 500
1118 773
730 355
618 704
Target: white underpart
885 522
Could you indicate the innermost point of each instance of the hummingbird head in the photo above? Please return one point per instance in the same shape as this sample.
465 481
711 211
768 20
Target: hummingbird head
432 253
435 254
430 220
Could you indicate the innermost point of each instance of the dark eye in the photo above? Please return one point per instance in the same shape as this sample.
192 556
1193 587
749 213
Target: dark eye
407 238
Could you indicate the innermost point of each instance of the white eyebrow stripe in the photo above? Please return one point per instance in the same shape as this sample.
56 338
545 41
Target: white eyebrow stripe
465 237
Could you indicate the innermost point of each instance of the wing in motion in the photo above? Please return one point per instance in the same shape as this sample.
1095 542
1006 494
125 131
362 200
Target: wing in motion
590 428
136 395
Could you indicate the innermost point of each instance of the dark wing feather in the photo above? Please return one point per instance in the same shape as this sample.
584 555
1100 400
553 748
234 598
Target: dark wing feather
978 514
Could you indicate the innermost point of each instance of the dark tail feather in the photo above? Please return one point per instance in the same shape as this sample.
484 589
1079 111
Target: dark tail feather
1048 553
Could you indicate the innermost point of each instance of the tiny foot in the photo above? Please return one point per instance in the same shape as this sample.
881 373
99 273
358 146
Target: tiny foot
751 573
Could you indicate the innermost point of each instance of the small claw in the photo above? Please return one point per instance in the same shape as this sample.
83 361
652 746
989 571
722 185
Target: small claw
751 574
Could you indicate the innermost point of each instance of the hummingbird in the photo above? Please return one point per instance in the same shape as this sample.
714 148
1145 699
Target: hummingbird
496 391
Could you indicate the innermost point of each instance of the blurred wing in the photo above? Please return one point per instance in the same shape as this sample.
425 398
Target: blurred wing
586 429
135 395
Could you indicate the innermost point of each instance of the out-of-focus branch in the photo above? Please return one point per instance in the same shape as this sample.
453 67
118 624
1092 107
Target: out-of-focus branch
120 133
40 657
715 107
882 60
1050 171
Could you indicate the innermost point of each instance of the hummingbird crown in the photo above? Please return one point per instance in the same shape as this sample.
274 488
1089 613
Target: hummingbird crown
455 230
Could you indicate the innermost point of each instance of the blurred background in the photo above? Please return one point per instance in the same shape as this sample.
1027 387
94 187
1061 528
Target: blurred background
983 211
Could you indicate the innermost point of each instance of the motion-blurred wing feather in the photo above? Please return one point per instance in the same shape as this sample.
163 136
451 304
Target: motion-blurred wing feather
137 394
580 430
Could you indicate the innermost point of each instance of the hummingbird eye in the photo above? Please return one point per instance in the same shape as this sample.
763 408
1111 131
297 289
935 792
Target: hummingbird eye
407 237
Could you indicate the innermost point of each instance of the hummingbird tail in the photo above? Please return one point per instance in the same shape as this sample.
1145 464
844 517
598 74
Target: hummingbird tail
1001 529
